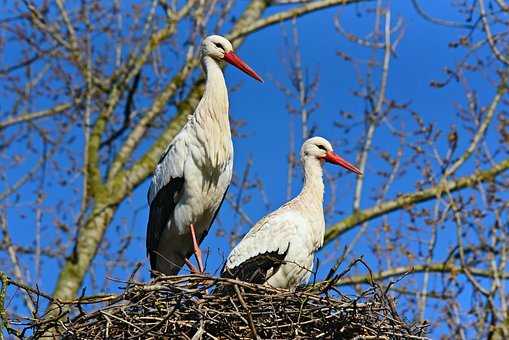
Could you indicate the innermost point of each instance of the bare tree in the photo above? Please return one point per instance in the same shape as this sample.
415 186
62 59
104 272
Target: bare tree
93 92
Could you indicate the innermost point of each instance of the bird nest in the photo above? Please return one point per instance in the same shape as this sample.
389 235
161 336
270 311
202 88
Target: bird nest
202 307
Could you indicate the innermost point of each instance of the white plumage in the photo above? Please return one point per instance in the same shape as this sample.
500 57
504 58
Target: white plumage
279 249
193 175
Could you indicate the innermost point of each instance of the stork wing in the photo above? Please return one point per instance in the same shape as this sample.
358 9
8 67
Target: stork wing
258 268
263 250
161 209
163 194
170 166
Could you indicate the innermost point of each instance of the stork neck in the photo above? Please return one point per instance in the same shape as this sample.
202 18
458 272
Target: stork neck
313 188
216 94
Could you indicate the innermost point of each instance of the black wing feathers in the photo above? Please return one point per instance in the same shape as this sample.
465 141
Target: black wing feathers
256 269
161 210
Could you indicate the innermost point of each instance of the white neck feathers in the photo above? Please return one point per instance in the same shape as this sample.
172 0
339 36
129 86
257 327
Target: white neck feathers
215 98
313 188
211 121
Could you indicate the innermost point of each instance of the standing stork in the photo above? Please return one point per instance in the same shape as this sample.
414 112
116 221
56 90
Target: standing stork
194 173
279 249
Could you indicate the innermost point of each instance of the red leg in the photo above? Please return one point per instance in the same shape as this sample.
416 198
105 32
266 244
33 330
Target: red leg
192 268
197 251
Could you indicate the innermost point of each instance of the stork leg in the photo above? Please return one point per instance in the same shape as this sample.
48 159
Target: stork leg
197 251
192 268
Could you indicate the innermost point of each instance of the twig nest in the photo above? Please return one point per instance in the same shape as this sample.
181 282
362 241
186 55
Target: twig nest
201 307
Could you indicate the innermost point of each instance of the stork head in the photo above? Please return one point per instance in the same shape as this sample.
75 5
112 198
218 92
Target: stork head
321 149
219 48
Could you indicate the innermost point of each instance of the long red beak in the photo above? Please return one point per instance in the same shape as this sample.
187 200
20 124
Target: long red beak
333 158
233 59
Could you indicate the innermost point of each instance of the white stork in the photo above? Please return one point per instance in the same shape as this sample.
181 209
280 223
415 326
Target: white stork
193 174
279 249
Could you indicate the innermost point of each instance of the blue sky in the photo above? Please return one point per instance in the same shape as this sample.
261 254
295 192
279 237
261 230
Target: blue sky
421 57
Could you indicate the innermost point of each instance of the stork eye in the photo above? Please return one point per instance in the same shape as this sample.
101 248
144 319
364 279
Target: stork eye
321 147
218 45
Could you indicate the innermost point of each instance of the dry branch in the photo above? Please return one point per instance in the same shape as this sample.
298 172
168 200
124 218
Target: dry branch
407 200
25 117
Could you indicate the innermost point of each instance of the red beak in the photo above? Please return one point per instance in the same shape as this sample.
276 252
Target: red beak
233 59
331 157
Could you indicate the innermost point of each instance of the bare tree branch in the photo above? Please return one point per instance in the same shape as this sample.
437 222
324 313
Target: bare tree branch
14 259
410 199
25 117
443 268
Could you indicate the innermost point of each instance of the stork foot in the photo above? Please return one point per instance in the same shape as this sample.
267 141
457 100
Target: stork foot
197 251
